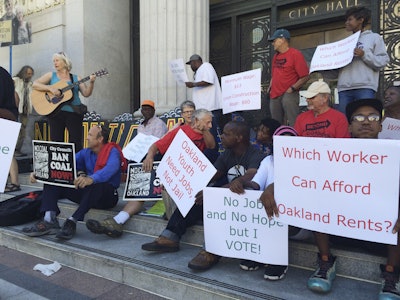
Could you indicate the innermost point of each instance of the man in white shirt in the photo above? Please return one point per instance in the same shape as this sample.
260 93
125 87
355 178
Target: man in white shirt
206 94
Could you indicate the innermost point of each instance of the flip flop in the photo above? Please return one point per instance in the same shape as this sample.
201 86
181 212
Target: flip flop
12 188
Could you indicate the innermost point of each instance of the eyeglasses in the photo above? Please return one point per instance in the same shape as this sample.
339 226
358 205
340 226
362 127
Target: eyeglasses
61 53
370 118
187 112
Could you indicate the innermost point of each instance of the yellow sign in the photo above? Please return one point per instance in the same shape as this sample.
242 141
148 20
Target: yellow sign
6 31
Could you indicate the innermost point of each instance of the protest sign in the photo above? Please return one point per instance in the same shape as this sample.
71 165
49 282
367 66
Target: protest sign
390 129
338 186
5 32
177 68
142 185
54 163
138 147
243 228
241 91
334 55
184 170
8 140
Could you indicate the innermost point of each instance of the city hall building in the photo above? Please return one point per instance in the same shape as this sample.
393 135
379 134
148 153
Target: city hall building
136 39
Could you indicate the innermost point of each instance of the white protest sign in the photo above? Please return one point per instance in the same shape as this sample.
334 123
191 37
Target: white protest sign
138 147
390 129
177 68
241 91
8 140
334 55
345 187
184 170
237 226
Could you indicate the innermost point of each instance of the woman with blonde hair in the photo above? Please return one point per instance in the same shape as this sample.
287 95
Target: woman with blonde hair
66 116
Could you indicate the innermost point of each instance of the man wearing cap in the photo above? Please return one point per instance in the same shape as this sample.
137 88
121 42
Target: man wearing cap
365 117
206 94
321 120
289 73
151 125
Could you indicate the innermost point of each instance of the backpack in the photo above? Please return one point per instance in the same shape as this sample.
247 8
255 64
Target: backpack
20 209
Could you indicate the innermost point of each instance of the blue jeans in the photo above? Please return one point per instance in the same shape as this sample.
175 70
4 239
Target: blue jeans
345 97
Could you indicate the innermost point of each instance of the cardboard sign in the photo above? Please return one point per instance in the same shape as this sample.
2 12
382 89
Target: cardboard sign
241 91
244 230
142 186
184 170
5 31
8 140
390 129
334 55
177 68
345 187
54 163
138 147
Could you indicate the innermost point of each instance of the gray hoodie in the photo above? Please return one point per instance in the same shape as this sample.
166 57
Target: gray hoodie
363 72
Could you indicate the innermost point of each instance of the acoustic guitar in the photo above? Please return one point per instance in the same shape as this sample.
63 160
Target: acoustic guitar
45 102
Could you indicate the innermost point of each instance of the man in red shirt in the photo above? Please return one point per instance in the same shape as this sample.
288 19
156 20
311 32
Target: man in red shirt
289 73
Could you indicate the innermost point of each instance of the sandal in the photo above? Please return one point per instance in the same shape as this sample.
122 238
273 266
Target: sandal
12 188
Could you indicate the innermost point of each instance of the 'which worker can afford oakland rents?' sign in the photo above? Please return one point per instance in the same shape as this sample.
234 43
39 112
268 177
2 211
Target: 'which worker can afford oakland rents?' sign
334 55
241 91
345 187
237 226
54 163
184 170
8 140
142 185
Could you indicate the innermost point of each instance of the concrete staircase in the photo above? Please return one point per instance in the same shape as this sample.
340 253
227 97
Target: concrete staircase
123 261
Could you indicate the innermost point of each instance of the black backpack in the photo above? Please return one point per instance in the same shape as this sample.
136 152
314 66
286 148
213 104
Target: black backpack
20 209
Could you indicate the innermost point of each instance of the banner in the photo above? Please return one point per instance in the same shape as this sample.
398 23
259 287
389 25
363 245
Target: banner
54 163
345 187
8 140
184 170
238 226
241 91
334 55
142 186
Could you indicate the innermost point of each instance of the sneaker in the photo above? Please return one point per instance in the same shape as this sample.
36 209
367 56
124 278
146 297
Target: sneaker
321 280
203 261
161 244
390 285
42 228
108 226
249 265
67 231
275 272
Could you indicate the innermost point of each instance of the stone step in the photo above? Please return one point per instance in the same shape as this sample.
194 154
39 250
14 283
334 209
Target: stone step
355 266
123 261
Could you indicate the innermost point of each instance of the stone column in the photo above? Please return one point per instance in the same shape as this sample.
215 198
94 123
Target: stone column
170 29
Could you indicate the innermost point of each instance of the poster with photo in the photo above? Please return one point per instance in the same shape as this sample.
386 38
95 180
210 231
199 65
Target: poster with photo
14 28
140 185
54 163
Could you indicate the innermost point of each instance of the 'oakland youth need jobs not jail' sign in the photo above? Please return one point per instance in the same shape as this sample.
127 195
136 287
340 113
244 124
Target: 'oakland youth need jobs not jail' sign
345 187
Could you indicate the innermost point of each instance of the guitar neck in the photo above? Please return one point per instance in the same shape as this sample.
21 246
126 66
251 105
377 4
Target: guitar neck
74 84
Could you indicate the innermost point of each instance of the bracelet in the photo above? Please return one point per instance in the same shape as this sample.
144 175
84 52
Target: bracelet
293 89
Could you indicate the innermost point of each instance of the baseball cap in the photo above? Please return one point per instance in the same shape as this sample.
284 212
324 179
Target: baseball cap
353 106
317 87
149 103
194 57
280 33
